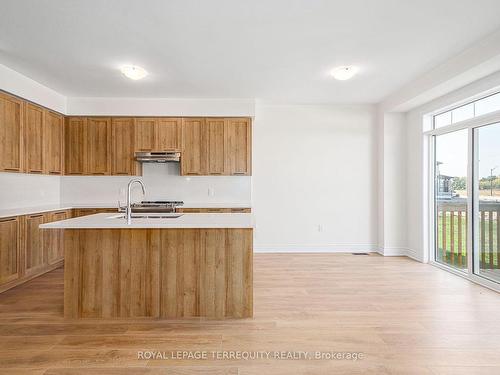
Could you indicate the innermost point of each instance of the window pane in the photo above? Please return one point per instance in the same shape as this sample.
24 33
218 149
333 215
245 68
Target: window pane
487 202
450 194
487 105
442 120
462 113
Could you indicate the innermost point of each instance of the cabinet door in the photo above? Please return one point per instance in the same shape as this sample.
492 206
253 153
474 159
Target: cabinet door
75 150
99 146
53 143
169 134
33 138
239 146
122 151
193 158
145 129
216 146
9 249
34 253
11 135
54 240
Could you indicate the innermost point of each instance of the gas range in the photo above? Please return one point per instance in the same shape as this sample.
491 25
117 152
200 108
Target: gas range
154 206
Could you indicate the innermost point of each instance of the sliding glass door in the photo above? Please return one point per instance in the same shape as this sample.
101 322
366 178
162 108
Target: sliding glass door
465 191
450 195
487 202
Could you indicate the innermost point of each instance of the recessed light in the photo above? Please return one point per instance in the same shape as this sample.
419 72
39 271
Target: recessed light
133 72
343 73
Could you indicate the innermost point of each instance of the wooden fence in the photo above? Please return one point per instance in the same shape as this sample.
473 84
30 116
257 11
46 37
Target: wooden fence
452 234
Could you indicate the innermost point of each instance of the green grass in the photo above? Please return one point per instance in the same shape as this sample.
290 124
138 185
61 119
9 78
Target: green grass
461 247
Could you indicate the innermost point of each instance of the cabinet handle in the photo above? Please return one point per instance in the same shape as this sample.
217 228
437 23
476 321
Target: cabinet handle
12 169
35 216
239 173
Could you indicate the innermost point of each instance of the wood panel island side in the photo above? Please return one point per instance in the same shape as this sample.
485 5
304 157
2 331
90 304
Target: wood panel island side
196 265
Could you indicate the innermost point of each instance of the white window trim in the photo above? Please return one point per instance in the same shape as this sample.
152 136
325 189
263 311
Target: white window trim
471 125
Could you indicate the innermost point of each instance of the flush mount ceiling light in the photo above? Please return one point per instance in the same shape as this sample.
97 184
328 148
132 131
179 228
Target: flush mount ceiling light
133 72
343 73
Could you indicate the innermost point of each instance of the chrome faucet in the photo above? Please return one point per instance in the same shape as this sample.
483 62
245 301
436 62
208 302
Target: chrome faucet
128 210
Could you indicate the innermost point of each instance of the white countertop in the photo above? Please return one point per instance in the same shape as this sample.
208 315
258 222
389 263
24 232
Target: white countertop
110 221
55 207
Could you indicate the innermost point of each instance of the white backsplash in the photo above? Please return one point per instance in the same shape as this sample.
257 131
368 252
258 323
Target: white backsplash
162 182
19 190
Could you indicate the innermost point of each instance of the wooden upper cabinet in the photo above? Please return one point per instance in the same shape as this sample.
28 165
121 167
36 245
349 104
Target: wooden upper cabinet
53 238
75 148
216 147
34 258
11 134
239 146
10 240
122 150
98 145
53 143
158 134
168 134
193 158
145 129
33 138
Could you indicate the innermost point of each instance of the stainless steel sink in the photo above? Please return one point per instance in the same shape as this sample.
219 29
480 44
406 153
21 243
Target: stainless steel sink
148 216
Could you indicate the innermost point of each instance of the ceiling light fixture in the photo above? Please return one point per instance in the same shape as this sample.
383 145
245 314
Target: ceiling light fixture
343 73
133 72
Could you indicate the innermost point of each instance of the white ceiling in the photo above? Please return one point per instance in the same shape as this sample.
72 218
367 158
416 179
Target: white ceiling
280 50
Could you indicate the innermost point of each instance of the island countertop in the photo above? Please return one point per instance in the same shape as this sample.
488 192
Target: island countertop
186 220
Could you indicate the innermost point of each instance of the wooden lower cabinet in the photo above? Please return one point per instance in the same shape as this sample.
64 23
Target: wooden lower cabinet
54 245
34 244
43 248
26 251
10 249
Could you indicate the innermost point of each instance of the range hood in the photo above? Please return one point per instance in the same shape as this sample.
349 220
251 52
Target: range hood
157 156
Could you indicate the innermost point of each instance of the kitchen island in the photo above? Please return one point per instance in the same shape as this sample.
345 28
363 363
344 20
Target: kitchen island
195 265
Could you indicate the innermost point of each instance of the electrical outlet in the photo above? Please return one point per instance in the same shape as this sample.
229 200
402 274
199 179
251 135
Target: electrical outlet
211 192
320 228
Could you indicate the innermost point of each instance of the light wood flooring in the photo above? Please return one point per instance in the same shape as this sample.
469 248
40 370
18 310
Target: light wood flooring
405 317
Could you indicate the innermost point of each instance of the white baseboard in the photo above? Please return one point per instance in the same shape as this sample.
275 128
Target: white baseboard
329 248
337 248
392 251
410 253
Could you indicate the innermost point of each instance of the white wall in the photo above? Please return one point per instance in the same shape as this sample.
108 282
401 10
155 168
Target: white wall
392 236
19 190
17 84
315 165
160 107
162 182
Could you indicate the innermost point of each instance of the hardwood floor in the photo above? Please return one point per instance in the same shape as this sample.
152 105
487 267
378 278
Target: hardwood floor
405 317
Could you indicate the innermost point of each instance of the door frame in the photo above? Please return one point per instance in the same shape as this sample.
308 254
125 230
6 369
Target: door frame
472 162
